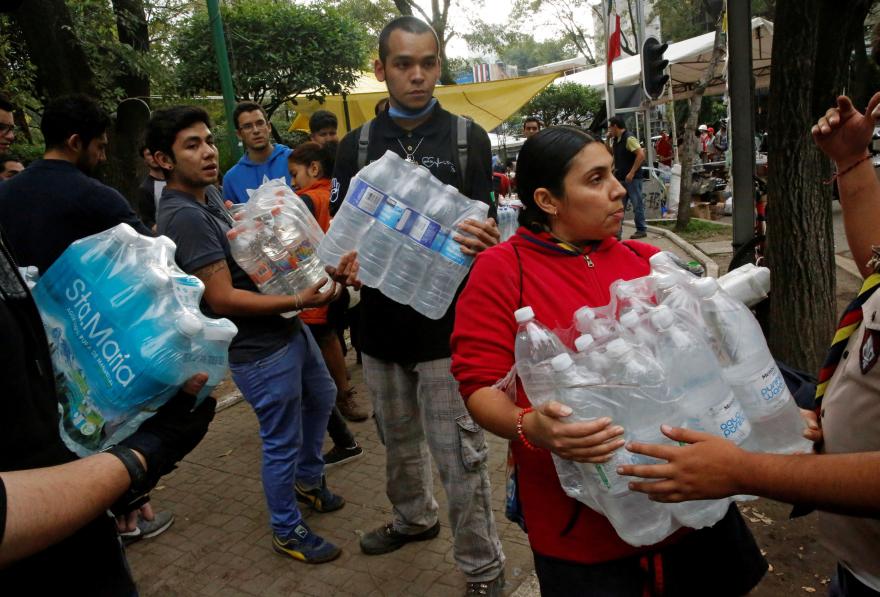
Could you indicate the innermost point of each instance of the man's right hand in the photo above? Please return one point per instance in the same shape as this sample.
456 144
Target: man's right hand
346 272
176 428
312 296
844 133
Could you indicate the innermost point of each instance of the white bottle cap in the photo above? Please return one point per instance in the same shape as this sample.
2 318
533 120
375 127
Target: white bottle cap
705 287
583 317
125 233
761 278
155 278
617 348
561 362
189 324
523 315
660 259
583 342
629 319
164 240
662 317
664 281
220 330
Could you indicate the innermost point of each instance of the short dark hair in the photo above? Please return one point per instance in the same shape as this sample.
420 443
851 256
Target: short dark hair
617 121
407 23
166 123
5 104
243 107
534 119
69 115
309 152
9 158
322 119
543 162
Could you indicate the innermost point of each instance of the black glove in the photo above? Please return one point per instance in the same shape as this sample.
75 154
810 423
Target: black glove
163 440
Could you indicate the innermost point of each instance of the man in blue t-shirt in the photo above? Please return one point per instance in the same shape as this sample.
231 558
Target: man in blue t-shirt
261 158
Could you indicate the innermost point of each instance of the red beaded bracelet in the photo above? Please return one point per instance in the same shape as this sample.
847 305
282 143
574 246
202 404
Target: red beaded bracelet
519 428
840 173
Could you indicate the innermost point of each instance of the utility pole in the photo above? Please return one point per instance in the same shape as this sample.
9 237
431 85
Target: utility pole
225 74
609 71
740 85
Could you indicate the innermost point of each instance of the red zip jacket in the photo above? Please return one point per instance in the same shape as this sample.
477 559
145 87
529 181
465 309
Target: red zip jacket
555 284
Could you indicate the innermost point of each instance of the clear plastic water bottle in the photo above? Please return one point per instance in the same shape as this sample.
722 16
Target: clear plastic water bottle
590 356
212 354
282 263
404 278
676 292
749 368
707 402
247 255
293 236
636 519
748 283
637 329
534 348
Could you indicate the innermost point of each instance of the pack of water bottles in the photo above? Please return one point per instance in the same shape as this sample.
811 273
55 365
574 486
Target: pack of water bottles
125 332
274 240
401 220
508 216
671 349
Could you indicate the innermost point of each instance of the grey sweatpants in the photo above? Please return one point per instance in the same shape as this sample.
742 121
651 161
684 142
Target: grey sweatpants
418 408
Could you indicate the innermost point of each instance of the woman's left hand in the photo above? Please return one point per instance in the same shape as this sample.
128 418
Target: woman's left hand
483 235
705 469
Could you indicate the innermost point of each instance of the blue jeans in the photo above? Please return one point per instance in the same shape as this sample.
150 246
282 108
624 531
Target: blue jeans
292 394
634 194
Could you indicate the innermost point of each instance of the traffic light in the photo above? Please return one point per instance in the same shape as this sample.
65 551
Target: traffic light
654 75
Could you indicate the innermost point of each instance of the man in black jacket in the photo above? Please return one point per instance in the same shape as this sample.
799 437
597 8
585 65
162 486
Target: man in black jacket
406 355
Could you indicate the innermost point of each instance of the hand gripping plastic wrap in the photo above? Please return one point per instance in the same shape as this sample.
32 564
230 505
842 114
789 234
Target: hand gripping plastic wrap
274 240
125 332
402 222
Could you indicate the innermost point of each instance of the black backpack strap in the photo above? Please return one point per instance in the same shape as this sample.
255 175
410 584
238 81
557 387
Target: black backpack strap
364 144
461 128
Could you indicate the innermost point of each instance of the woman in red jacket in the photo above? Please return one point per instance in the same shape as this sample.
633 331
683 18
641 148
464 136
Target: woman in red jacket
564 256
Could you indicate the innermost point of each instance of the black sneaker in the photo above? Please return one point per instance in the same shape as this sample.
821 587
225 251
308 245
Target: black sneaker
385 539
319 498
639 234
339 455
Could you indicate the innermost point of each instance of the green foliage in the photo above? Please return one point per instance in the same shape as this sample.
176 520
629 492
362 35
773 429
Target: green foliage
568 103
372 14
683 19
513 47
276 50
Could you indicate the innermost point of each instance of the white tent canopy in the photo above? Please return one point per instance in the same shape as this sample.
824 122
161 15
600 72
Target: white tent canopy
688 60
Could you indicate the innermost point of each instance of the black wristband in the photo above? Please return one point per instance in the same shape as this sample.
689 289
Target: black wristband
136 471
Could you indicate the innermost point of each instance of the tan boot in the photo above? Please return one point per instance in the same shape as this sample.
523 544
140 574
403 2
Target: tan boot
350 408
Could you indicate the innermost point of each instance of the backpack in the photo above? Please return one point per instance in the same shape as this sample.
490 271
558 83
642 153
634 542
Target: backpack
460 130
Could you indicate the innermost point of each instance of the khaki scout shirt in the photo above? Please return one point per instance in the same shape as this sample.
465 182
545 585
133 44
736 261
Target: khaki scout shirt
851 423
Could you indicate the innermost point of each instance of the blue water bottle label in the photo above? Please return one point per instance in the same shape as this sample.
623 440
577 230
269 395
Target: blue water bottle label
365 197
452 251
421 229
390 212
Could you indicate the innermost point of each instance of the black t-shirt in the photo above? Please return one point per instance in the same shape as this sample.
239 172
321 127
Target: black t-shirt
51 204
28 409
200 233
391 331
146 199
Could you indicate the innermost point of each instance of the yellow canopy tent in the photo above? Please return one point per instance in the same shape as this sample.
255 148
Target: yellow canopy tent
489 103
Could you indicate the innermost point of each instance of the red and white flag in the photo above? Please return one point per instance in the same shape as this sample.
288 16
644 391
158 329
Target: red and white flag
612 23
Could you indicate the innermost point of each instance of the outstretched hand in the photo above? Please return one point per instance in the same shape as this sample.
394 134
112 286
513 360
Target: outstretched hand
704 469
844 133
591 441
480 235
346 272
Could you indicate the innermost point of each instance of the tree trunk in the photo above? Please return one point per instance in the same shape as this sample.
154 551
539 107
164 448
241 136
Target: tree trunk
124 168
62 64
690 126
809 70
